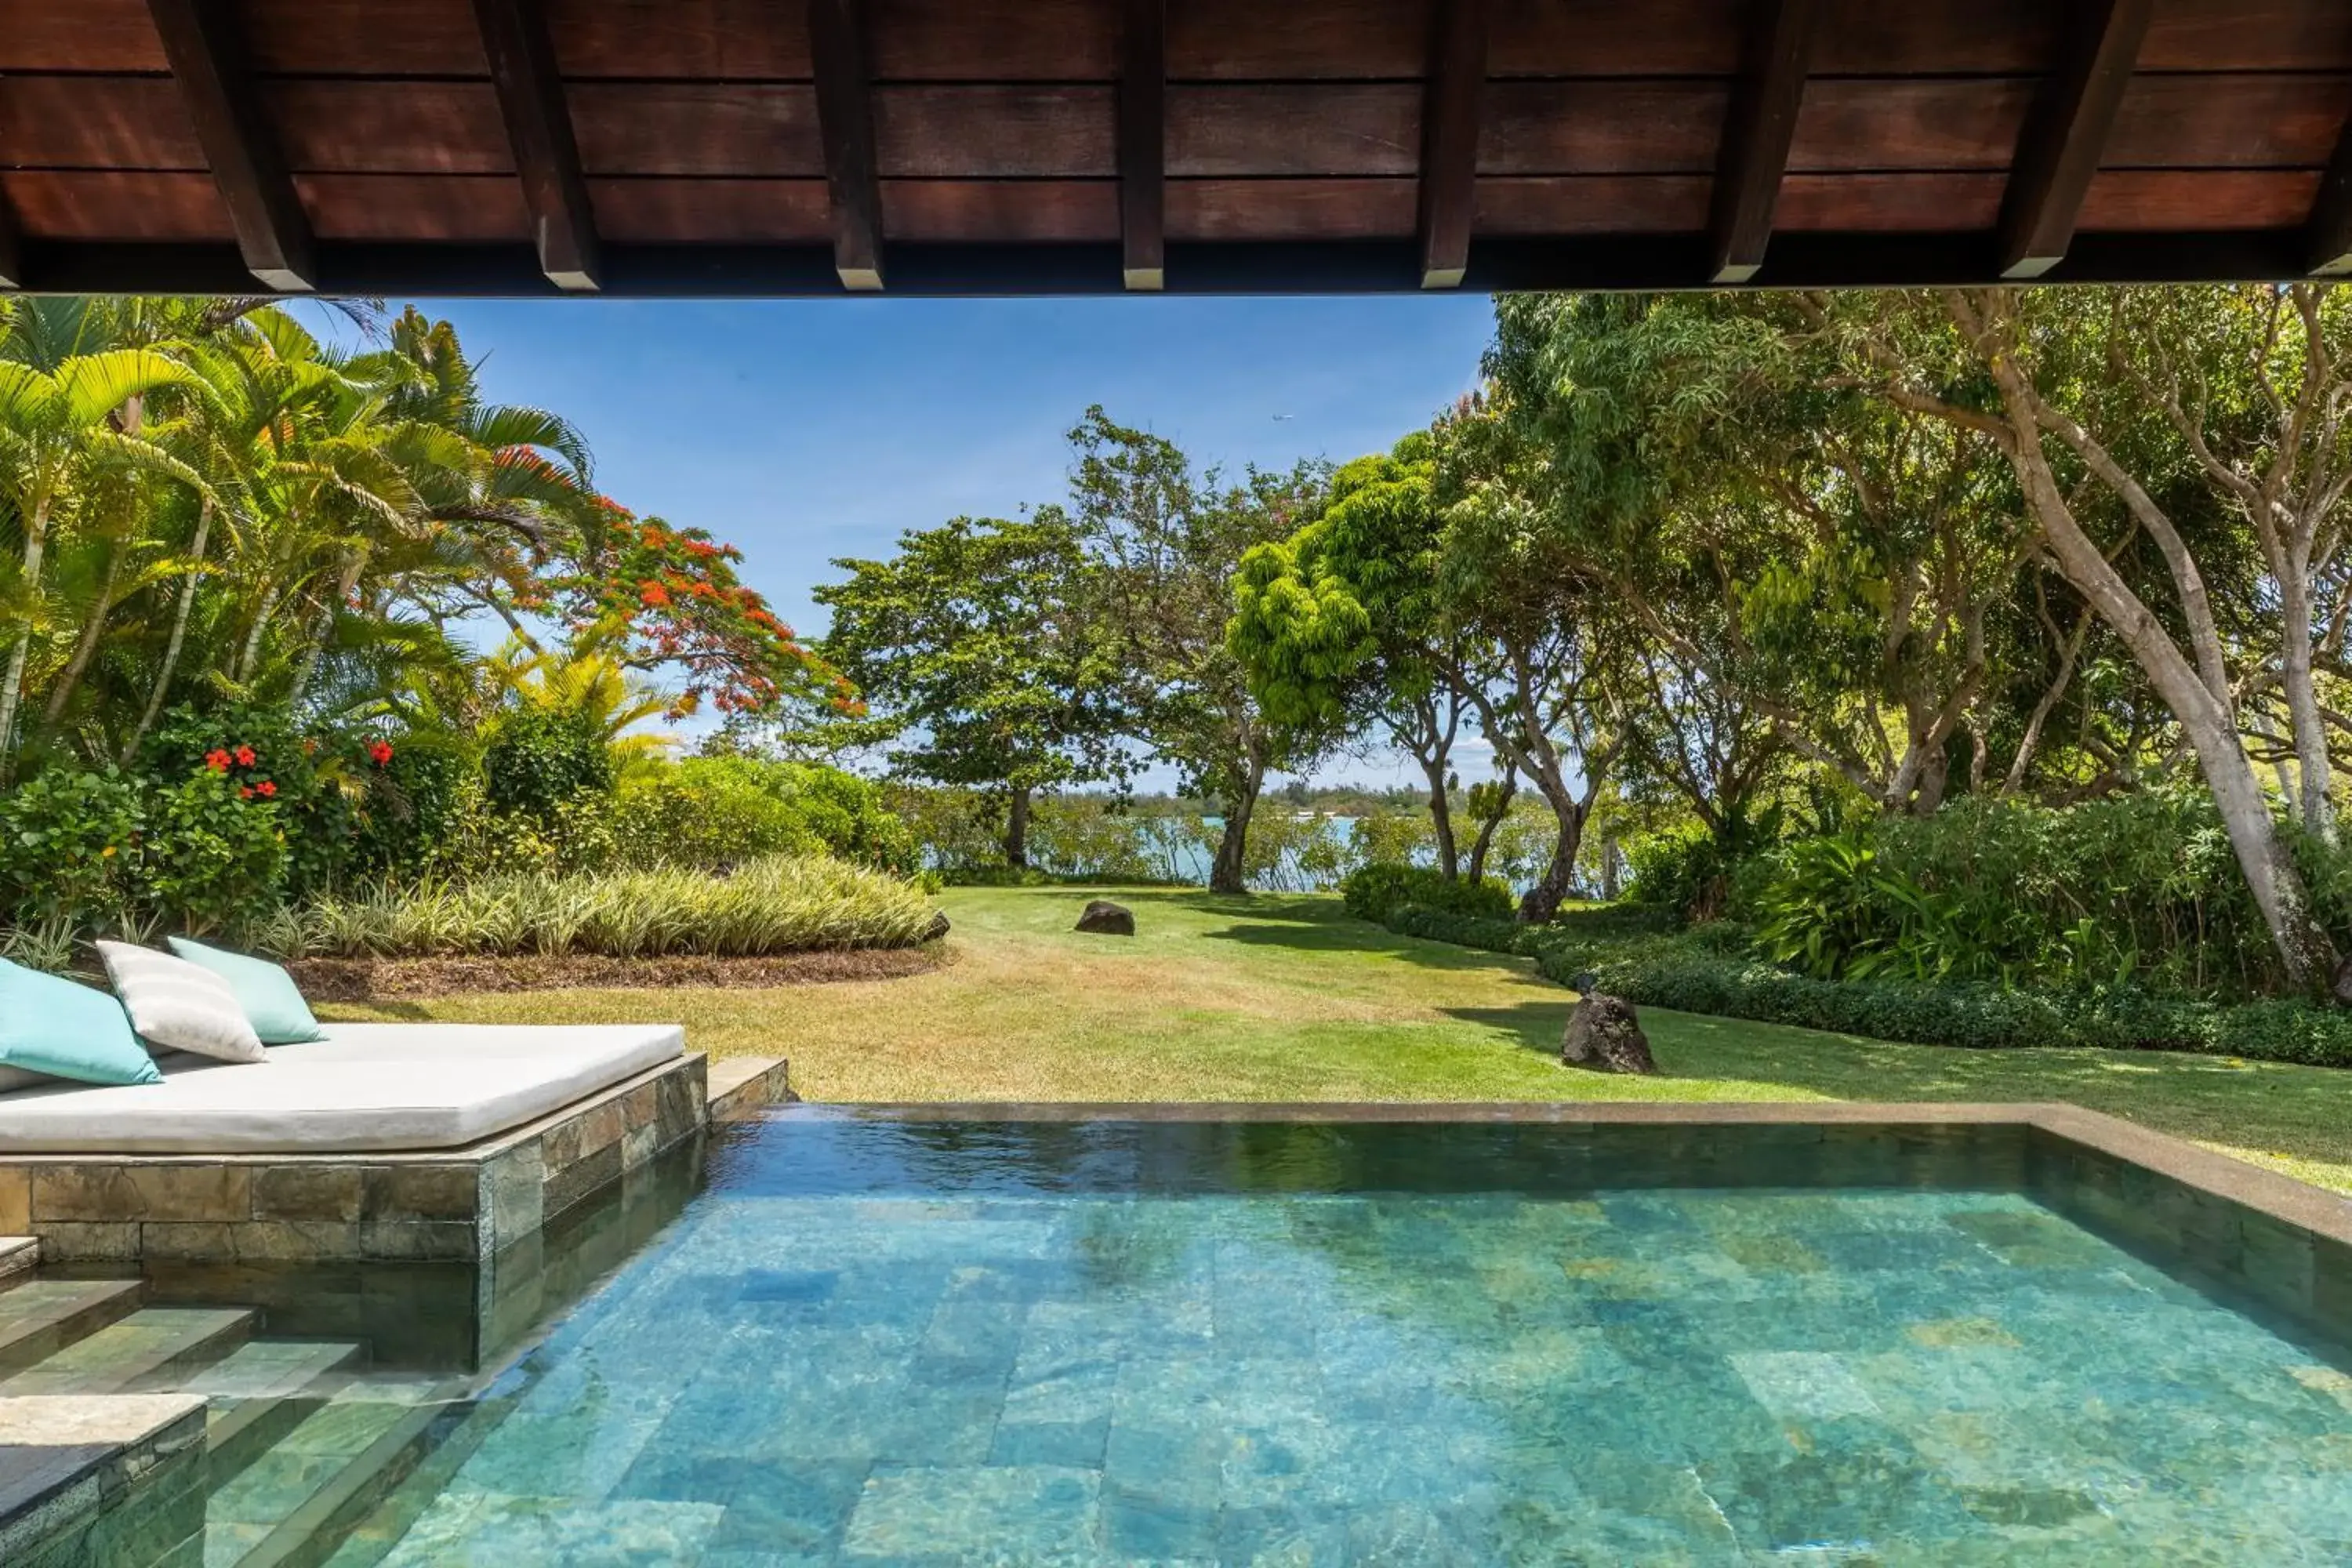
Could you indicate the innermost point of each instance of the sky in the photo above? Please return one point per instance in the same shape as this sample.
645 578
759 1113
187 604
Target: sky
804 430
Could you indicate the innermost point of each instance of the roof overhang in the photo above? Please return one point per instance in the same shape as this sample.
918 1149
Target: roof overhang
810 147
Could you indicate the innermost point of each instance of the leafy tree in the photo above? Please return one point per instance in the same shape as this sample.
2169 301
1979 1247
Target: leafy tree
1165 543
2102 407
975 656
1338 625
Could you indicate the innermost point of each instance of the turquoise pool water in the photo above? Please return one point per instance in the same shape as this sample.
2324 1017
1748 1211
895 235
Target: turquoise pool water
872 1342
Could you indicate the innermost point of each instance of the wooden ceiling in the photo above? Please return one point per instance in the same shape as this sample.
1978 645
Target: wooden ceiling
929 146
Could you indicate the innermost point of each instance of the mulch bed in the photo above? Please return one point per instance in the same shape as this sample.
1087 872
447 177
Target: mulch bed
369 979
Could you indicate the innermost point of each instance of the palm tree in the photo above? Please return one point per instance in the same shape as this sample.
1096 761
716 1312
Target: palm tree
63 385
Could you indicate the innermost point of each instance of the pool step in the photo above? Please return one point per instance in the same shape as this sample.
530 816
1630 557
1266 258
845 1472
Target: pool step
38 1317
19 1255
260 1392
293 1505
148 1347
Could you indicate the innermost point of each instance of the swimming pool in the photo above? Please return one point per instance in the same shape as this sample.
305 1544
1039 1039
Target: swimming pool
879 1339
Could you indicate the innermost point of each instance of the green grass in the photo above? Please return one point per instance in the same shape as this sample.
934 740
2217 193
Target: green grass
1286 998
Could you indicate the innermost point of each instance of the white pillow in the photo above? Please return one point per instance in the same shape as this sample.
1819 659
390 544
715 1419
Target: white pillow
178 1005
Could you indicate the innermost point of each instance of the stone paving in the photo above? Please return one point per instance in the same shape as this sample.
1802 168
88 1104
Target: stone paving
1660 1377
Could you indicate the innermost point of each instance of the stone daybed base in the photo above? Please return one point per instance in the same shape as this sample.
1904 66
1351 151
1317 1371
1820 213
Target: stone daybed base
460 1204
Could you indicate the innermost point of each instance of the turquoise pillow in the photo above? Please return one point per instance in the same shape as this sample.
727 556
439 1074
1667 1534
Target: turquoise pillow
55 1027
272 1006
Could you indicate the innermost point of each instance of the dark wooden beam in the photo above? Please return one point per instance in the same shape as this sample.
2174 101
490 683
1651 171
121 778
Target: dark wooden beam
1755 134
2060 149
1449 140
539 128
1143 145
844 113
375 269
206 52
2329 232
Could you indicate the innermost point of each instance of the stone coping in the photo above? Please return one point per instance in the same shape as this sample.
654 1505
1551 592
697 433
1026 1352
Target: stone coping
2278 1197
81 1477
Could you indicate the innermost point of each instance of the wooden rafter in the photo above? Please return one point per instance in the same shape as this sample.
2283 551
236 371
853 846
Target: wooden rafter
2060 150
845 113
1143 145
1449 140
539 128
206 52
1755 135
2328 236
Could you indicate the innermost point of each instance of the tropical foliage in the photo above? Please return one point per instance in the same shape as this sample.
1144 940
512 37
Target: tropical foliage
245 572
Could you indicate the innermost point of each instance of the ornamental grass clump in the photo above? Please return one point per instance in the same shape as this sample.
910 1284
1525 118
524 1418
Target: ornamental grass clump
777 904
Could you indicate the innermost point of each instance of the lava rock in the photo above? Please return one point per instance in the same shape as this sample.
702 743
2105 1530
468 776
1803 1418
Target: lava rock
1604 1034
940 925
1104 918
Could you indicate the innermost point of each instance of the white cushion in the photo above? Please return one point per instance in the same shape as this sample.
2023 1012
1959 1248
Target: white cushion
364 1087
178 1005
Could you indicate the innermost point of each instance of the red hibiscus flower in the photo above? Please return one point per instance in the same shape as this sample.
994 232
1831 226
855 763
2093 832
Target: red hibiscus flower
380 752
266 788
245 756
216 760
244 791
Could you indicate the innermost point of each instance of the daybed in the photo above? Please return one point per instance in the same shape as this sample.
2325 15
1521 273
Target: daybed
364 1088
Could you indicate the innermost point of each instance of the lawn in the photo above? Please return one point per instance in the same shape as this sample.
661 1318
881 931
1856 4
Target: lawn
1285 998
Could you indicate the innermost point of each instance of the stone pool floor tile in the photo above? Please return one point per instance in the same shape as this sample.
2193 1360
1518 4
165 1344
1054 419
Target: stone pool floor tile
1040 1514
492 1530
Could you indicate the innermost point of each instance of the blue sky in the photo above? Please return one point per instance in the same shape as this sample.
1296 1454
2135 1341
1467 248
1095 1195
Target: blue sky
802 430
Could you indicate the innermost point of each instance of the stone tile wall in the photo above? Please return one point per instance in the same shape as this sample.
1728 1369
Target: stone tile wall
459 1207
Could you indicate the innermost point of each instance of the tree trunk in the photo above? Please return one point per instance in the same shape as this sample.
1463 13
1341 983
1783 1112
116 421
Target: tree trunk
1016 828
179 633
347 582
252 649
86 645
2303 704
1487 826
12 689
1542 901
1226 872
1440 818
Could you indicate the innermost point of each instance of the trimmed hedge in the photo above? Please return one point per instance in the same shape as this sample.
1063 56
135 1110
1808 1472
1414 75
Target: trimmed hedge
1705 972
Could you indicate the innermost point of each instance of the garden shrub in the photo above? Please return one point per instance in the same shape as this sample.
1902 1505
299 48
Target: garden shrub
540 759
1703 972
415 795
714 811
2138 890
70 845
777 904
99 850
1376 891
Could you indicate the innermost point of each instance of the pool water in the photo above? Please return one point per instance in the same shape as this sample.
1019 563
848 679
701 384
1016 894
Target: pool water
880 1343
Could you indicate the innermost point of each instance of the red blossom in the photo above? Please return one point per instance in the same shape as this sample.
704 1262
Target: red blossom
245 790
245 756
652 596
380 752
216 760
266 788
